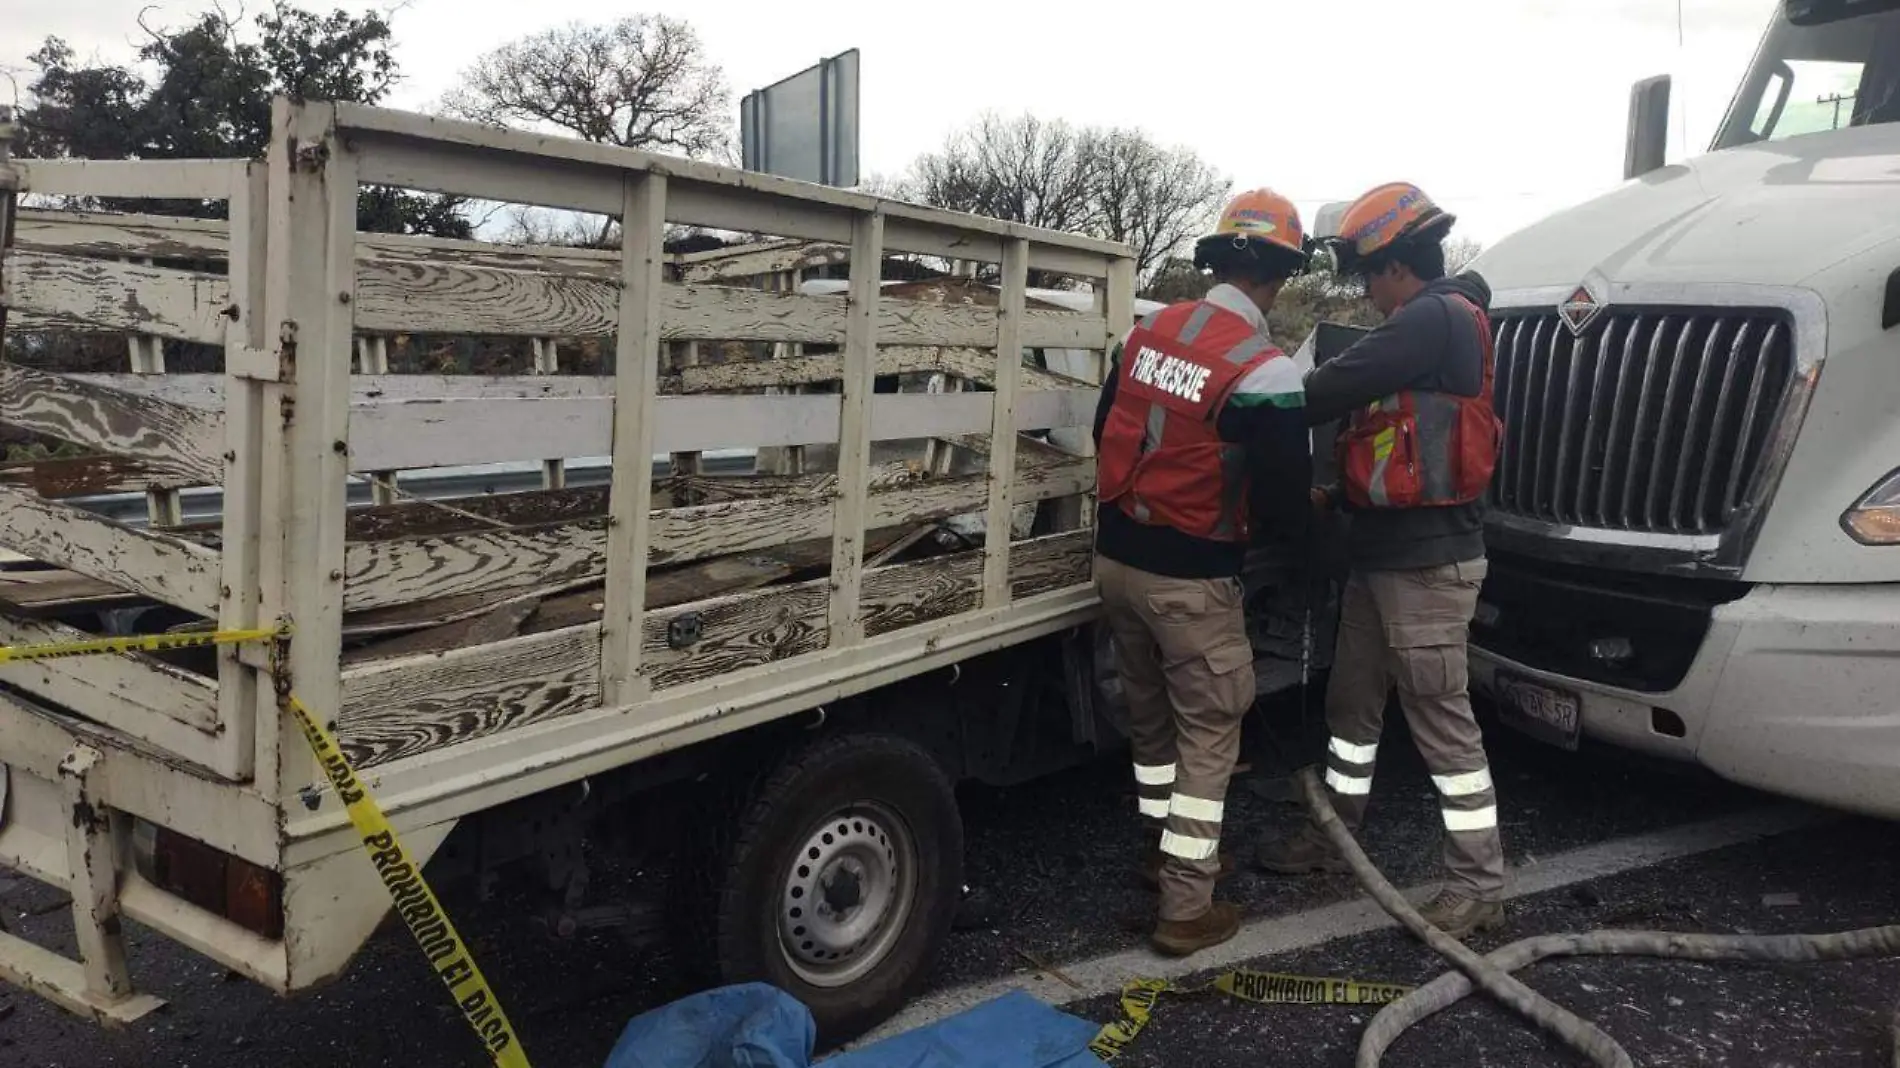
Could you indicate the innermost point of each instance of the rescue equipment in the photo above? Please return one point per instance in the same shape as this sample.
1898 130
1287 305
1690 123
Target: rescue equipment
1424 448
1162 458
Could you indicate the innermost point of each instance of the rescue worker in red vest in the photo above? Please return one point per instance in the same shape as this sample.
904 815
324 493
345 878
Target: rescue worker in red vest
1202 447
1416 452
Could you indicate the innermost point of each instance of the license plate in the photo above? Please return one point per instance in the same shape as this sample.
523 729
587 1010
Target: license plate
1554 715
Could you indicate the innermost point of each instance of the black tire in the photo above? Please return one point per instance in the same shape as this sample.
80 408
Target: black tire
859 783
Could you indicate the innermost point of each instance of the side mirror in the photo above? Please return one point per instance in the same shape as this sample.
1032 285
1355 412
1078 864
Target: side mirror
1646 141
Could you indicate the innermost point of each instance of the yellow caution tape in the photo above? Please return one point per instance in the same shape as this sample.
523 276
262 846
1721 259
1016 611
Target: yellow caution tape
417 905
415 902
1262 988
143 643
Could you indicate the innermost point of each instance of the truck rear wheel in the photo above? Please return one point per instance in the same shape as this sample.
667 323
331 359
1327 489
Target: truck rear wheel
841 879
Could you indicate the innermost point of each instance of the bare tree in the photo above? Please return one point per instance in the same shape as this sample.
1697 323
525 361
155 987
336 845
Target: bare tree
638 82
1155 199
1460 251
1024 170
1112 183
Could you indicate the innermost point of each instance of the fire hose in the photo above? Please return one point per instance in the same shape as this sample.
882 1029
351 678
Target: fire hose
1491 973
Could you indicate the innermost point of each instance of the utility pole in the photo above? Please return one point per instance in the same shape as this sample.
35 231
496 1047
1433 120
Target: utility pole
1837 100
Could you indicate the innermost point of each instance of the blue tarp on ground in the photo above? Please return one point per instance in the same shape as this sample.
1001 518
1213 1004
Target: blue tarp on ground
753 1025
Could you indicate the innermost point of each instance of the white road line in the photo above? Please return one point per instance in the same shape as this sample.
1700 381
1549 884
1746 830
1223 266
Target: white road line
1285 934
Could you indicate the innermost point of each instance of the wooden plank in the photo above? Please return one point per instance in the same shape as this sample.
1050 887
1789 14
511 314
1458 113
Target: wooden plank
410 519
851 513
160 566
589 262
82 476
170 179
397 126
113 688
398 708
442 433
405 708
313 192
721 575
182 305
493 625
1002 458
207 390
758 259
637 370
182 445
51 592
242 686
432 297
96 233
379 574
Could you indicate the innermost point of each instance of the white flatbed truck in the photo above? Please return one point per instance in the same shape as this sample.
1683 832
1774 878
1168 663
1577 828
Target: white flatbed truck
825 643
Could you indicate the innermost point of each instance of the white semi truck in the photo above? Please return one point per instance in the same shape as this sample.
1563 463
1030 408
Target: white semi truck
1695 527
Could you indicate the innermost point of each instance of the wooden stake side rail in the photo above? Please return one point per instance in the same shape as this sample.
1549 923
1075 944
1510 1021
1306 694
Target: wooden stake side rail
406 708
413 296
625 630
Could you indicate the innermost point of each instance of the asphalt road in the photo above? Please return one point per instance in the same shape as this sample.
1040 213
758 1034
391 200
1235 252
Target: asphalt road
1594 841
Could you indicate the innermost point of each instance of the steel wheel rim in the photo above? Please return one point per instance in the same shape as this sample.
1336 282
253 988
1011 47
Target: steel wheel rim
847 894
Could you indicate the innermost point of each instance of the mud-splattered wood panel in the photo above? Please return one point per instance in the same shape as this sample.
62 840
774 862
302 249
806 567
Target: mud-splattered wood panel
415 434
379 574
107 295
123 236
433 297
182 446
164 568
976 365
405 708
82 476
118 689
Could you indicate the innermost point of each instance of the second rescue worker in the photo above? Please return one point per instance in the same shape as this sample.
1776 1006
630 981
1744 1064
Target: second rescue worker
1416 454
1201 438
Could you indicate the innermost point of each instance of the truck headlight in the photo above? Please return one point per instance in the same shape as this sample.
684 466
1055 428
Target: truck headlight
1875 518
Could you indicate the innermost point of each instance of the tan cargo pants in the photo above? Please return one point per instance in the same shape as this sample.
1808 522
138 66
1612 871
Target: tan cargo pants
1408 628
1187 669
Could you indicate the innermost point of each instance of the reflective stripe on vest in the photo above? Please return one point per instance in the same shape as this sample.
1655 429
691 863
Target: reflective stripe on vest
1446 443
1162 460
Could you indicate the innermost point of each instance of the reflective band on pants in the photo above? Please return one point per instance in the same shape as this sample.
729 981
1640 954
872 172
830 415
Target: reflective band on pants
1463 785
1477 819
1153 807
1352 753
1196 808
1154 774
1351 785
1187 848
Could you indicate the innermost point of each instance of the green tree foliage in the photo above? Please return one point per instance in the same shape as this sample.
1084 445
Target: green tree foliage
205 91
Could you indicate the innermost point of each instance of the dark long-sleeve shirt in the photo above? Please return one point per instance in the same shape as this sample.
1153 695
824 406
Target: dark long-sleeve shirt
1263 416
1429 343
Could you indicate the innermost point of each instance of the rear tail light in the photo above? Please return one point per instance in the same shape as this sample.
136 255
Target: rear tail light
244 893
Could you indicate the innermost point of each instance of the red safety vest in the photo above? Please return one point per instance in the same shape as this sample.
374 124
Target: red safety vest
1162 459
1421 448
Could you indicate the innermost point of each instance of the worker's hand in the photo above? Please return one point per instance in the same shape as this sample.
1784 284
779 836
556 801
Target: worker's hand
1321 502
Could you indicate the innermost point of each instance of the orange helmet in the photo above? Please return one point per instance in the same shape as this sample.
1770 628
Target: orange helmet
1387 215
1260 222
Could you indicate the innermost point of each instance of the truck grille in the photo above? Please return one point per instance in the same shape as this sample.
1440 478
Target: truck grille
1653 421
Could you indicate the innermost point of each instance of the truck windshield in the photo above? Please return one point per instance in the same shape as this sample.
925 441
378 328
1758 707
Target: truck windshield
1811 79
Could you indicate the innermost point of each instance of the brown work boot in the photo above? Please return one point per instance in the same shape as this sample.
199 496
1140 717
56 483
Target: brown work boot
1179 938
1150 870
1305 851
1460 916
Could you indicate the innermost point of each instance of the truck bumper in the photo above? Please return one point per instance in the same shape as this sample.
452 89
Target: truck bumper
1792 691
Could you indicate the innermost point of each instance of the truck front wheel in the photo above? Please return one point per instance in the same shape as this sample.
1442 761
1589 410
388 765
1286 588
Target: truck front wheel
841 879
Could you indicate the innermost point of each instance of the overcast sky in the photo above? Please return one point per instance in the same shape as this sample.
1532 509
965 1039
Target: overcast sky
1503 110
